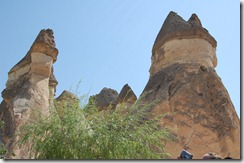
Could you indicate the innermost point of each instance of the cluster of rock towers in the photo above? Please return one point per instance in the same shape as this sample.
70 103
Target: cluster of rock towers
183 79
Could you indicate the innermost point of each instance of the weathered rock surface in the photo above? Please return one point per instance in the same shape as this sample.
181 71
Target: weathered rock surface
126 99
67 95
181 41
109 99
65 102
106 98
184 82
126 95
30 87
175 27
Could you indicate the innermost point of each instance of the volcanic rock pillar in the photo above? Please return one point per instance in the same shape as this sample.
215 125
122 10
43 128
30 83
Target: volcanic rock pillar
29 90
183 79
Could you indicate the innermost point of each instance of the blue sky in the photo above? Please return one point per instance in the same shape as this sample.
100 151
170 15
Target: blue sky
107 43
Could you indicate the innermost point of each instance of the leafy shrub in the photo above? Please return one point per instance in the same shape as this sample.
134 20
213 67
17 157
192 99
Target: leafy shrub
85 133
3 150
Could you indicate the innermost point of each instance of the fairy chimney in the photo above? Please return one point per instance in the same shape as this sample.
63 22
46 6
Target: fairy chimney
197 107
30 87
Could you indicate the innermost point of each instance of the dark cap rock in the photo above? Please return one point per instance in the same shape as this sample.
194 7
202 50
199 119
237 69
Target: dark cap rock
43 43
175 27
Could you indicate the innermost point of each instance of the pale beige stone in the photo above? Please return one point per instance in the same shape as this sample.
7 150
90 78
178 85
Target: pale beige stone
194 50
197 108
29 92
14 76
41 64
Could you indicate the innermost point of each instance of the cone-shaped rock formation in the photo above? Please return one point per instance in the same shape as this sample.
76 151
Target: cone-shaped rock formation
183 85
126 95
30 88
184 81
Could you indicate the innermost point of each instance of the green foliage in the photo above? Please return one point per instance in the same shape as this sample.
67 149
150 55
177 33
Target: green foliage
3 150
89 134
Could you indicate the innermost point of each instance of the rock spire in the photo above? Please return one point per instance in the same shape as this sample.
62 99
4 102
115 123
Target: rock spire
126 95
30 88
183 79
183 85
181 41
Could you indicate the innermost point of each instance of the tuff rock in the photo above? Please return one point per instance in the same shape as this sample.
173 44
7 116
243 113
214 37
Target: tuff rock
67 96
106 98
65 101
183 83
197 107
126 95
30 88
126 99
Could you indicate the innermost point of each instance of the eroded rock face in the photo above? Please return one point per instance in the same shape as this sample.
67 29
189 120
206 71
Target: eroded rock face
106 98
181 41
193 50
66 95
184 82
30 87
66 102
126 95
66 99
175 27
126 99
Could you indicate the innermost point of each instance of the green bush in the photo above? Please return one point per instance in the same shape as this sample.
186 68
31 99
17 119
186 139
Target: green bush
3 150
85 133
